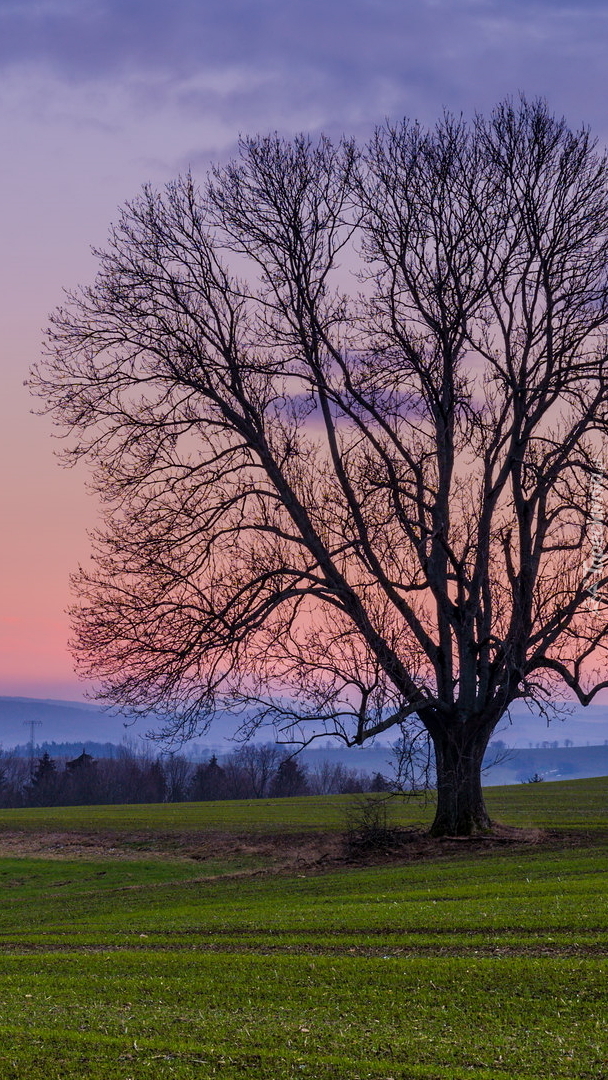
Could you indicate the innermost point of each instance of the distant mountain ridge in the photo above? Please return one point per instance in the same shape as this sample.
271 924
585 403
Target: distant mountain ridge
59 721
75 721
81 721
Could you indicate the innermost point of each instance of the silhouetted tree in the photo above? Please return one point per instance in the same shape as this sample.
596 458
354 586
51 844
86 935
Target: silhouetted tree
352 783
208 781
290 779
379 783
45 783
251 769
178 777
350 513
132 777
14 778
333 778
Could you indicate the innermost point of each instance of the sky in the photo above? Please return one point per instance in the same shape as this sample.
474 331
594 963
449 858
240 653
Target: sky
98 97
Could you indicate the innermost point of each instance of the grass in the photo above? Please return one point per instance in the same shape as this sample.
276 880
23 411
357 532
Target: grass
563 804
484 965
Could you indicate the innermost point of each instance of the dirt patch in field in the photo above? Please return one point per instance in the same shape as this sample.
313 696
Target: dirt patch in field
274 853
276 849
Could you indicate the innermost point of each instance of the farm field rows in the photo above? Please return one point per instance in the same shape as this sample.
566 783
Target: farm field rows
175 954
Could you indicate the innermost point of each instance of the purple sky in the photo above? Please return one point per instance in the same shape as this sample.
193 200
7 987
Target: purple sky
98 96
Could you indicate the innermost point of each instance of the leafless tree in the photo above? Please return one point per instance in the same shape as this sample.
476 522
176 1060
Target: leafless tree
412 764
178 773
132 776
251 769
333 778
341 511
14 776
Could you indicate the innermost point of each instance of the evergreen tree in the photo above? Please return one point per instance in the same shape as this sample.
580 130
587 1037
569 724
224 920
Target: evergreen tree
289 779
208 782
45 783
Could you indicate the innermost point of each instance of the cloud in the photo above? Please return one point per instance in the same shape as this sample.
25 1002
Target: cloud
314 63
173 85
159 87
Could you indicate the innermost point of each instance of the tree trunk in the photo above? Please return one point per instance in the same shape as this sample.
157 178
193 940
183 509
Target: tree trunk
461 810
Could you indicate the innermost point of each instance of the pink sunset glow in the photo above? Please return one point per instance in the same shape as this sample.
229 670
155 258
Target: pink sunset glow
99 98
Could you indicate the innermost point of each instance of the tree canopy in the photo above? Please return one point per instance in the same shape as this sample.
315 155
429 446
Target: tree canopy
345 409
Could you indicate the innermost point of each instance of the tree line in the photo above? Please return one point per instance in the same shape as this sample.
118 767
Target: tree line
253 771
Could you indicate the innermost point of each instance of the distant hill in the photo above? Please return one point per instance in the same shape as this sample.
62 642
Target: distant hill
78 723
562 763
58 721
580 726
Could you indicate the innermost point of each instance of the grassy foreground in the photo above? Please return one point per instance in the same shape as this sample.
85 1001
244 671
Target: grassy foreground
487 965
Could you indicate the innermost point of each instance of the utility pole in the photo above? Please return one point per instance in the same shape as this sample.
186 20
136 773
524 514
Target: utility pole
32 724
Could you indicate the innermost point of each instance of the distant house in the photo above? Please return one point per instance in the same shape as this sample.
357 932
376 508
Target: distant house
83 761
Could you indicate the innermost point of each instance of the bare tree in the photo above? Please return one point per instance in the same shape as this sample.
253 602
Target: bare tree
178 773
131 777
253 768
15 773
412 764
333 778
342 512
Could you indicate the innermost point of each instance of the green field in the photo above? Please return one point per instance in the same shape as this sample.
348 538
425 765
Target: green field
169 942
